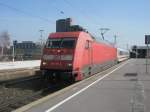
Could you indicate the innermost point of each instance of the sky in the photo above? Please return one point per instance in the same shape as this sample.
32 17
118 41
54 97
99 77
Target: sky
128 19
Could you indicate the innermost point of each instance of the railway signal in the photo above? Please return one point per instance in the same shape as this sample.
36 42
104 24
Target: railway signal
147 42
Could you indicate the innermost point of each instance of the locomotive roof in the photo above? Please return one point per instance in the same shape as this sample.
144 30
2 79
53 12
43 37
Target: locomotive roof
76 34
64 34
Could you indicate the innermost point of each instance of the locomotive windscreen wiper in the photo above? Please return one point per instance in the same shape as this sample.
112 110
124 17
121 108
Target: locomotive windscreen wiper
60 43
68 43
53 43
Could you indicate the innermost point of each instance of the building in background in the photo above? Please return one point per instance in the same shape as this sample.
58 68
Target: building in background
139 52
26 50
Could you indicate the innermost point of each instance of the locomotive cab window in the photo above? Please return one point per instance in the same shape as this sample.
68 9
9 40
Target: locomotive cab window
60 43
68 43
53 43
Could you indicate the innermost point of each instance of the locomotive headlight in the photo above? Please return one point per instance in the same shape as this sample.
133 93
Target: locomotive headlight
69 64
44 63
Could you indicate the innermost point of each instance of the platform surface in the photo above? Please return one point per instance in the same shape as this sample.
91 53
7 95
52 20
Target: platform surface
125 88
19 64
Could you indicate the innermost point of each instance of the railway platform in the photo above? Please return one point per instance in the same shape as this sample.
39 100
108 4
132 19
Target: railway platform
19 65
18 69
122 88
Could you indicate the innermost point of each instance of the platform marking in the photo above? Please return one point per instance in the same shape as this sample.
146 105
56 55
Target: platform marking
82 90
138 98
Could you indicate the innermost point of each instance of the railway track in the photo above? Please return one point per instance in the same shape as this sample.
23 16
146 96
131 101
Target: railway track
19 80
18 102
17 93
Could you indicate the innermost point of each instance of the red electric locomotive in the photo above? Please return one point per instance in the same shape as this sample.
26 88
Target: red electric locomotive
74 55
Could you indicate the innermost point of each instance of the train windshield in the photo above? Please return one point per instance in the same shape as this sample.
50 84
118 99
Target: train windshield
60 43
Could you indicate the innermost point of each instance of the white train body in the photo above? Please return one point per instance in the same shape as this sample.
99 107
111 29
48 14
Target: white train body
122 54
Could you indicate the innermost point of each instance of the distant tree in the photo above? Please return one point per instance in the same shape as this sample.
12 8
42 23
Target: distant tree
5 39
4 42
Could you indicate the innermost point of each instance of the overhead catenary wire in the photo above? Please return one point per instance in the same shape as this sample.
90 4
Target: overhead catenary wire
60 11
26 13
81 11
85 15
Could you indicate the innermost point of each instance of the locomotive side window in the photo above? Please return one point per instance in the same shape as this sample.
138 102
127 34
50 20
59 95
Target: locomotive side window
121 53
87 44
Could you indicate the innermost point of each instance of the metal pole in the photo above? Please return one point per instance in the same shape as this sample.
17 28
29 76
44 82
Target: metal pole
41 36
13 53
147 60
115 40
2 50
128 47
136 53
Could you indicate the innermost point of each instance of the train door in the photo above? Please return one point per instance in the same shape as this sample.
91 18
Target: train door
90 59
